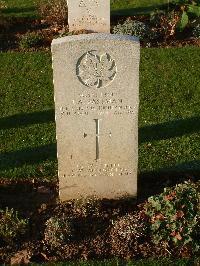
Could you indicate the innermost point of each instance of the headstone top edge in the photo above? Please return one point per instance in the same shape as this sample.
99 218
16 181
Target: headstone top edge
95 36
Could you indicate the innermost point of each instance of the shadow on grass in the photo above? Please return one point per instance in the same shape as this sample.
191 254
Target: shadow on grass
20 11
161 131
27 156
169 130
30 156
151 183
21 120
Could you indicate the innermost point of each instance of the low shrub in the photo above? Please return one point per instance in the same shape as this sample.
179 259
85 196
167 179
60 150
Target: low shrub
11 226
135 28
126 235
174 216
30 40
58 231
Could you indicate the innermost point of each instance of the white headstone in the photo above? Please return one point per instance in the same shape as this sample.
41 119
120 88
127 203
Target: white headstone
96 81
91 15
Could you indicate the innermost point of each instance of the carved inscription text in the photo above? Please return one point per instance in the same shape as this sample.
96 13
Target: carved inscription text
104 169
97 103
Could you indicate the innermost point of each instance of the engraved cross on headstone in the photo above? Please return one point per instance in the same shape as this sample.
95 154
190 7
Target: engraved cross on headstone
90 15
97 122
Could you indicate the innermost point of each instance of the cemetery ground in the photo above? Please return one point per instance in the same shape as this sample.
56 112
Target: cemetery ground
169 125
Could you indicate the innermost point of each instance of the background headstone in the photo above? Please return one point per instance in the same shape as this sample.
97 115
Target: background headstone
91 15
96 81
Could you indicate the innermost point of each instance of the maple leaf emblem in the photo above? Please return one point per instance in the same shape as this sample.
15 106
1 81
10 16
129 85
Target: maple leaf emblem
96 71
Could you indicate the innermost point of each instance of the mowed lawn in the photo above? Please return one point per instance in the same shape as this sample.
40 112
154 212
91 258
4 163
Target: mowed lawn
28 8
20 8
147 262
136 7
169 121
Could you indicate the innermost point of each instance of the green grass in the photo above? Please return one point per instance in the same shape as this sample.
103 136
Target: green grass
169 109
136 7
27 119
28 8
147 262
21 8
169 119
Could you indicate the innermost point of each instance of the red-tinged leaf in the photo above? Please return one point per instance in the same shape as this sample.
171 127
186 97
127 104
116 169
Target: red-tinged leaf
173 233
180 214
160 217
178 236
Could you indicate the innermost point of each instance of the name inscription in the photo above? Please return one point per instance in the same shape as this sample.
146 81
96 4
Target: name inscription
98 104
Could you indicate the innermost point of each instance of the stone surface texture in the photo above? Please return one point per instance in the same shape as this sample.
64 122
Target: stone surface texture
91 15
96 82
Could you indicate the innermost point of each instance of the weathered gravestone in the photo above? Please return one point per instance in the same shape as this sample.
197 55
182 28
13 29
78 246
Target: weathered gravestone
91 15
96 80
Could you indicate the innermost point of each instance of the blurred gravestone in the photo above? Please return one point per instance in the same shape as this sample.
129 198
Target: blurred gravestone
90 15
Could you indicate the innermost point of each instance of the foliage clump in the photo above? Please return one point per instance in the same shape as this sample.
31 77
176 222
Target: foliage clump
30 40
127 233
58 231
135 28
174 215
11 226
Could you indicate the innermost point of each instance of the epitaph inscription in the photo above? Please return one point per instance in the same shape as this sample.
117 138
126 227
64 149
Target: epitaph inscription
96 100
91 15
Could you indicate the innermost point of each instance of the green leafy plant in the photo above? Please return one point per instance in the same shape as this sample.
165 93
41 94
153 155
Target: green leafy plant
188 10
135 28
30 40
174 215
11 226
183 22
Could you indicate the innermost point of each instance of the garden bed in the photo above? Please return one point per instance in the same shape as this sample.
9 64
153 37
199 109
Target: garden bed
33 35
44 231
